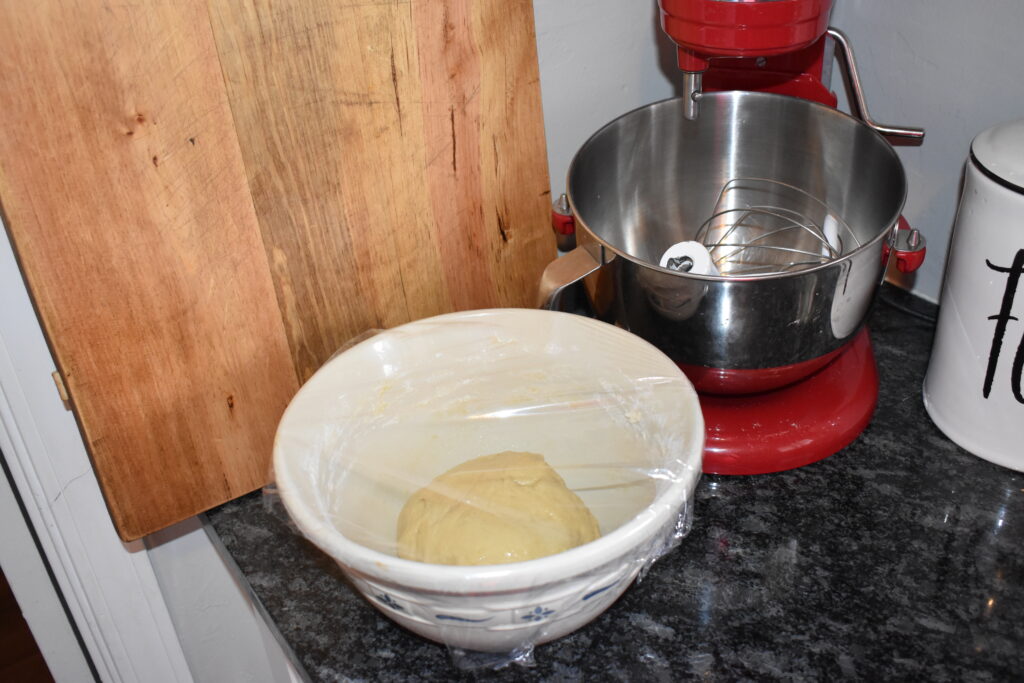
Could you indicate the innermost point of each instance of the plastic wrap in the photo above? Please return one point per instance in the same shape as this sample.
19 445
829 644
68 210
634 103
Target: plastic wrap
610 413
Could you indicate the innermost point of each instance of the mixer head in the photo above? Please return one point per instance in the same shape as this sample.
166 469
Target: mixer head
766 45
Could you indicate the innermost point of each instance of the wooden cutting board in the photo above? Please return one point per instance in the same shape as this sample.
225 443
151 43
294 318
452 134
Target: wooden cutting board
208 198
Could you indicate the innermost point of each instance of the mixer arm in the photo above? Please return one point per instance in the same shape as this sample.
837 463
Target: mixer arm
571 268
858 107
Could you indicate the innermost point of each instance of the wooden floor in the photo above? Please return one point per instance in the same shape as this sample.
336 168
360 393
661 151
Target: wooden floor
20 659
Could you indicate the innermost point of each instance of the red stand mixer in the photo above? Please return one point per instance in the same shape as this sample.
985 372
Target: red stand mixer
778 353
776 46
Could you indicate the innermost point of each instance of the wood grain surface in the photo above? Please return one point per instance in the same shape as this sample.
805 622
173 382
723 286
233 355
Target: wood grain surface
209 197
396 156
123 188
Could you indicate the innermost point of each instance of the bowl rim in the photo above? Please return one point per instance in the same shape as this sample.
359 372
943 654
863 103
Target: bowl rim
494 578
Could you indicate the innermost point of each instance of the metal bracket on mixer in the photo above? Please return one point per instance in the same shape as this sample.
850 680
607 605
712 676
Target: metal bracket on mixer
571 268
692 94
858 106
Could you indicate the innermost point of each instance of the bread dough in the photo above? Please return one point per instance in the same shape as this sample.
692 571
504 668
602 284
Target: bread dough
507 507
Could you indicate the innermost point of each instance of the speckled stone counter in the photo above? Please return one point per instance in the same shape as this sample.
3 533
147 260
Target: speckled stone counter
899 558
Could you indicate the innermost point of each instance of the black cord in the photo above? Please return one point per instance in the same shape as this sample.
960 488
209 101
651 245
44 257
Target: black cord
909 311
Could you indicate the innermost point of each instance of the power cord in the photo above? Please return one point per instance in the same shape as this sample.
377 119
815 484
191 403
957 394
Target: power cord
908 311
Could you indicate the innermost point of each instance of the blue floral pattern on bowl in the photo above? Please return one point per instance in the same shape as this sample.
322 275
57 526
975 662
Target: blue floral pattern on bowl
505 617
600 590
389 601
452 617
538 614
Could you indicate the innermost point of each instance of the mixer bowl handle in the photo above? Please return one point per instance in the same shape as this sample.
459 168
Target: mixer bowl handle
858 106
567 270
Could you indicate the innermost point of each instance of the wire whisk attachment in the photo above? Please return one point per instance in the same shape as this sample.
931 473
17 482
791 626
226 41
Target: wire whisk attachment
766 227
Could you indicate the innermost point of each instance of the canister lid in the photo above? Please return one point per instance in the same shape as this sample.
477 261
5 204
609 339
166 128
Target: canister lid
1000 152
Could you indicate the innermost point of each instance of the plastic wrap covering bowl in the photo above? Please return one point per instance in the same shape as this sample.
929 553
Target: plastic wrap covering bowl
612 414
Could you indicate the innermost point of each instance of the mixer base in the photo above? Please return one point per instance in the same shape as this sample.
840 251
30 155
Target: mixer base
797 424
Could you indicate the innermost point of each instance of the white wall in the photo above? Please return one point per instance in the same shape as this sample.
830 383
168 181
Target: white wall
598 59
950 66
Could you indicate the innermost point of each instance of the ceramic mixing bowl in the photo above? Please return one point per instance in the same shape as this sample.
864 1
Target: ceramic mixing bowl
612 414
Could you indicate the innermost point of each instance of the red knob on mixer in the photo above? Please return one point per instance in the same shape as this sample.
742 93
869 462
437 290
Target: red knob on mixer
909 246
563 223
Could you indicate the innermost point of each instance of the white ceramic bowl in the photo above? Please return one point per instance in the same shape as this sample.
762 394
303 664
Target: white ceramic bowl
610 412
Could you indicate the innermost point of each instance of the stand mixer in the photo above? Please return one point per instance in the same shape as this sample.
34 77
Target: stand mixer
774 343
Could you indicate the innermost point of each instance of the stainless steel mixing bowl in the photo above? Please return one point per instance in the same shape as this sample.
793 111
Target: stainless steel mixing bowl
651 178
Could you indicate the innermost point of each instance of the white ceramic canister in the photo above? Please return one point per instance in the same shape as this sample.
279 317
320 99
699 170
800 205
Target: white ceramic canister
973 388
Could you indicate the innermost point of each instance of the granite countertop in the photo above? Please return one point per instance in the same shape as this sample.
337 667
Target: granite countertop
897 558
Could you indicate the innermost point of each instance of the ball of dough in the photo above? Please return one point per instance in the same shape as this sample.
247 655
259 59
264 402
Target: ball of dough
507 507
